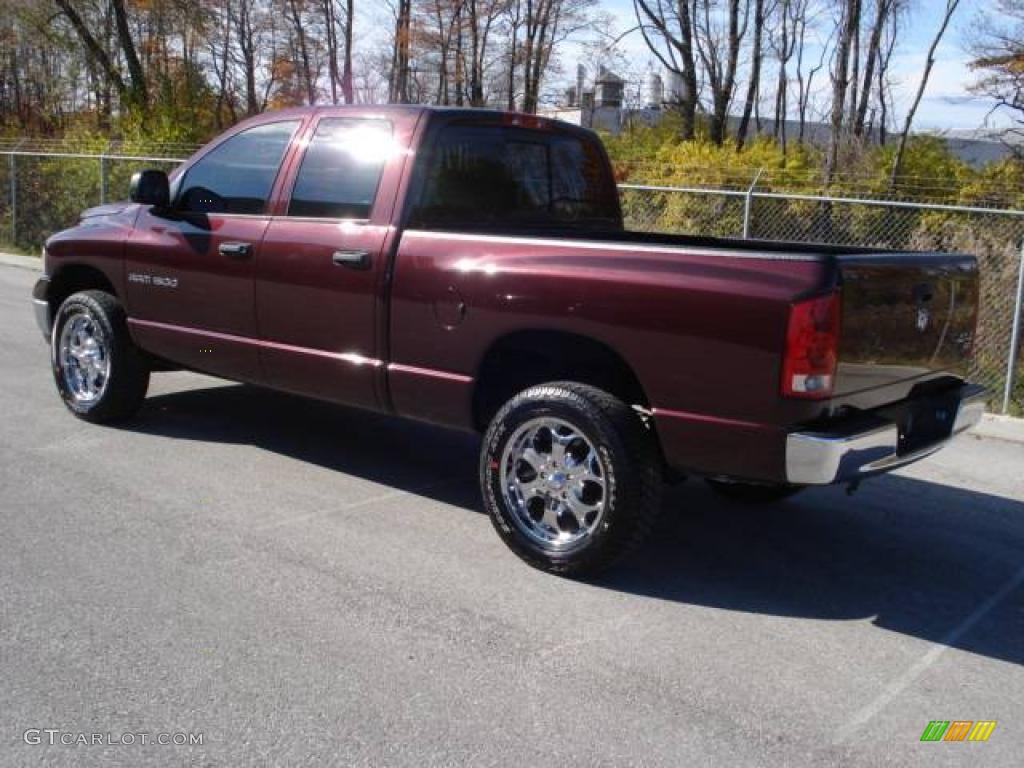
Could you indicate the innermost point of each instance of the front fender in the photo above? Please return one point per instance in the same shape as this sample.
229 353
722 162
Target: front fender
95 245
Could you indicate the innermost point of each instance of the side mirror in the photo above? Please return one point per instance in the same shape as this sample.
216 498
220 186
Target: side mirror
150 188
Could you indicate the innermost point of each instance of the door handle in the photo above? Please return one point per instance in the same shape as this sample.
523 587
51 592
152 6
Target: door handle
235 250
351 259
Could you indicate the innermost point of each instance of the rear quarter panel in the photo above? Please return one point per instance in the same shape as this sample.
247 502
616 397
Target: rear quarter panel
703 331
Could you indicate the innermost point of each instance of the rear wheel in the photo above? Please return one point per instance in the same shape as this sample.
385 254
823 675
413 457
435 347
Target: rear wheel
570 477
752 493
100 375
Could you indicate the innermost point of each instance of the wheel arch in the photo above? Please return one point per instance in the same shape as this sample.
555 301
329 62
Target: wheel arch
74 277
523 358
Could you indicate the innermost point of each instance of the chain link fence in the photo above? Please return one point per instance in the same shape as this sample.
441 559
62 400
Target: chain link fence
43 189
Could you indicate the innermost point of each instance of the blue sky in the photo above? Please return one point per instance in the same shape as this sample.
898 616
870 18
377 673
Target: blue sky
947 104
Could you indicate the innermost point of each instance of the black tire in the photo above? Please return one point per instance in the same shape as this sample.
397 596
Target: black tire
631 475
128 375
752 493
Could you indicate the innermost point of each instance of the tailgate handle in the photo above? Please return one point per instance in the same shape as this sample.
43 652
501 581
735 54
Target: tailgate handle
351 259
923 293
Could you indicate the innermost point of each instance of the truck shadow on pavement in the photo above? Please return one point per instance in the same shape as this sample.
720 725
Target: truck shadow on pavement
913 557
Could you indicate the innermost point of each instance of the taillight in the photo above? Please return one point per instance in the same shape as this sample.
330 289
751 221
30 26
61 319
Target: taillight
812 348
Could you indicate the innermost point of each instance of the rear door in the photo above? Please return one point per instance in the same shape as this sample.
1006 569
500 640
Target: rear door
190 271
322 265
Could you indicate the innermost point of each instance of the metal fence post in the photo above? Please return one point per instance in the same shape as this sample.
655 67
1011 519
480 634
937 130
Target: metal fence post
748 204
1011 362
103 179
12 169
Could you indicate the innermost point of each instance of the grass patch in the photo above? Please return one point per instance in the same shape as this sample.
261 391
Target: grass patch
6 247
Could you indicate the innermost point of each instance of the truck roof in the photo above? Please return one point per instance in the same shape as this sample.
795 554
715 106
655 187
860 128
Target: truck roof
413 110
406 108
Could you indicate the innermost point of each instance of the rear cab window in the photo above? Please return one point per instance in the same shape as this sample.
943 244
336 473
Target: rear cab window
506 178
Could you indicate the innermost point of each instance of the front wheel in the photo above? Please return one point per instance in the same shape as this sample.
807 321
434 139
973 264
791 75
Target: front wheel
570 477
100 375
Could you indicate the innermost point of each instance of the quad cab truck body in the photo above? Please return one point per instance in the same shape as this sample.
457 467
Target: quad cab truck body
471 269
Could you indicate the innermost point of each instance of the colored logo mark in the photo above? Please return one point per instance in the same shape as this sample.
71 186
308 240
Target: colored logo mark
958 730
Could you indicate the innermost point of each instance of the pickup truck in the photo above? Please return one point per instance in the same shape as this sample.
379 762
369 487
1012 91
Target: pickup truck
471 269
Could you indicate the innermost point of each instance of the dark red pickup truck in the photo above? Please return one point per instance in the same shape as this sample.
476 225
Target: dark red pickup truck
471 269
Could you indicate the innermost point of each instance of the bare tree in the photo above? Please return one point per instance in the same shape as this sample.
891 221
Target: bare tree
140 93
442 22
884 10
718 43
297 16
483 15
802 20
136 93
668 29
329 11
460 56
346 72
997 46
220 59
754 82
884 86
848 26
537 27
951 6
251 24
546 24
398 90
514 22
783 43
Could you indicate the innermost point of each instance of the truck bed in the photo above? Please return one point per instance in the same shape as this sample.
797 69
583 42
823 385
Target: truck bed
907 315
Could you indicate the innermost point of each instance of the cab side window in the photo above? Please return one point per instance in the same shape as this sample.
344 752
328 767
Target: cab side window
341 169
238 175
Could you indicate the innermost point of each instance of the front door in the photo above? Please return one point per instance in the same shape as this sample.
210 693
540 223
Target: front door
190 270
321 267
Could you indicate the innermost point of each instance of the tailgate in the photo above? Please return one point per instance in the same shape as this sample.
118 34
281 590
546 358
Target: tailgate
905 316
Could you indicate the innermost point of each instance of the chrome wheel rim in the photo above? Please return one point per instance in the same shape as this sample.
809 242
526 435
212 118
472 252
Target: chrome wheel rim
553 481
83 358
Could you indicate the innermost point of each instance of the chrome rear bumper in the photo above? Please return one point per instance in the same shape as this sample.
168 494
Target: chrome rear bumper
822 458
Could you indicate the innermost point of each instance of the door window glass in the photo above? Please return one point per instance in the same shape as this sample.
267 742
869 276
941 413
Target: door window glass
341 169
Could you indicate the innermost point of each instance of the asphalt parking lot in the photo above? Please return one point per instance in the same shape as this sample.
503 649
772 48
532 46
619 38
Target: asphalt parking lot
306 585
